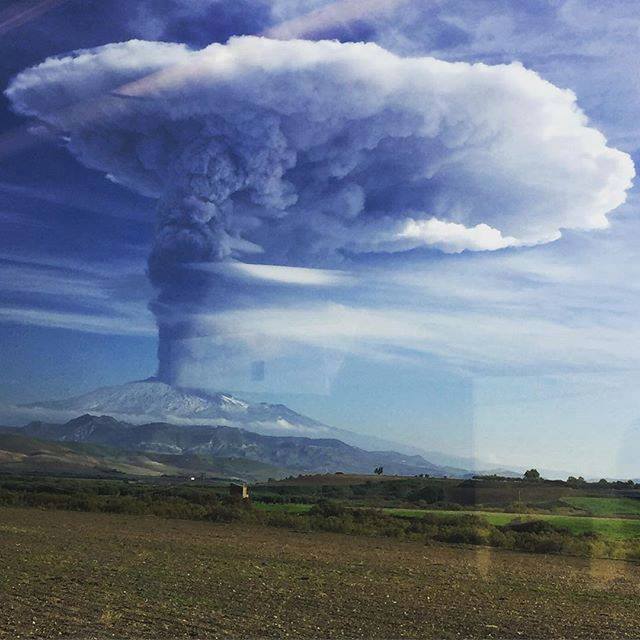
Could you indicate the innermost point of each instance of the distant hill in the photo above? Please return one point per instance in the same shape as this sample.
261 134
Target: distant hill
23 454
318 455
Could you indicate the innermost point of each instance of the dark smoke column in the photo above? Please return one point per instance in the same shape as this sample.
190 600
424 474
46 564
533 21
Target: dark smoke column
189 231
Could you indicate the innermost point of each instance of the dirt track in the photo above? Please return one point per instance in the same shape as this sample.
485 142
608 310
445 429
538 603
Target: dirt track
81 575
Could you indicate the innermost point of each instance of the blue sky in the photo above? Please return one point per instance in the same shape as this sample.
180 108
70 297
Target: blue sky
522 354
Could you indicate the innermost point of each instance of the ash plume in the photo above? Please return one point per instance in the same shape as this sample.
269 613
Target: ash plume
310 154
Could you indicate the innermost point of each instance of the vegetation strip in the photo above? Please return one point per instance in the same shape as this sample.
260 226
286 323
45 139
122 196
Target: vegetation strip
540 534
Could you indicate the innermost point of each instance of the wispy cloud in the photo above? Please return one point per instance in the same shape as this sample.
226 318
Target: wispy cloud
102 324
67 294
334 14
13 218
554 310
77 197
473 341
277 274
23 11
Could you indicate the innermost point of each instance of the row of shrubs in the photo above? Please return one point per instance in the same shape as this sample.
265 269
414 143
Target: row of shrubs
535 536
217 509
532 536
407 489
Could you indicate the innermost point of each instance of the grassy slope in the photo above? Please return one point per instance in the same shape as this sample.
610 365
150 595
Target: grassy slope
20 454
68 574
606 506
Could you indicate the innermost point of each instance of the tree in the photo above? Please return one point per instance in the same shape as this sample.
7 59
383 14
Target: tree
378 471
532 474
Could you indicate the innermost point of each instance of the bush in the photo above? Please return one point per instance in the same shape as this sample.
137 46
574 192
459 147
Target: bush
535 526
271 498
288 521
428 494
539 543
180 509
329 508
123 504
498 538
446 519
463 535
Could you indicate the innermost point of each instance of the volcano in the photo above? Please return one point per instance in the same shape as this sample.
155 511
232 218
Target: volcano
152 400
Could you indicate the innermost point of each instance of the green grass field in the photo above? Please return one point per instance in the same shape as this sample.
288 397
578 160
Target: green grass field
610 528
606 506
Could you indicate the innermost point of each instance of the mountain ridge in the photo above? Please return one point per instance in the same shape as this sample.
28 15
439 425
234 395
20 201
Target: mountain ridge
300 453
150 399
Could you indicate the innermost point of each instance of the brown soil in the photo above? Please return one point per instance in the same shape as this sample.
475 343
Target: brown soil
82 575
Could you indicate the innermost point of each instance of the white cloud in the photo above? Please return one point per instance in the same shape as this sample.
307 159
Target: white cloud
324 140
449 237
277 274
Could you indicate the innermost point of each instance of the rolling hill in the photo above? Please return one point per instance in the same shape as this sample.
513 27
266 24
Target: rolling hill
23 454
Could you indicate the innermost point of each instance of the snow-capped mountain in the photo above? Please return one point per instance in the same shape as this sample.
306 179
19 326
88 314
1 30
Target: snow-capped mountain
151 400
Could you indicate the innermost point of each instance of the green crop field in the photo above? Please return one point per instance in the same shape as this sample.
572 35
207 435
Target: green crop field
613 528
606 506
610 528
